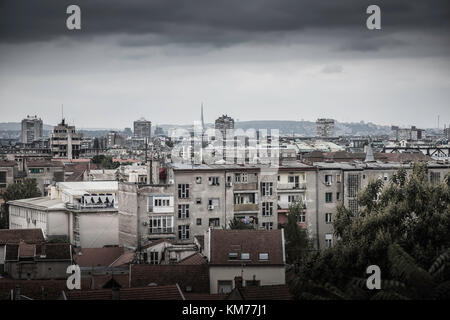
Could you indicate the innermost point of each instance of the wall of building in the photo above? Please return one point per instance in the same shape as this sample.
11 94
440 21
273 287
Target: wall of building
267 275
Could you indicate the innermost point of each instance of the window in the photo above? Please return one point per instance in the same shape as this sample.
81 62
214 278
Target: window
267 208
338 178
237 177
267 225
328 197
293 198
435 177
2 179
353 184
328 217
353 205
328 179
338 196
154 257
198 200
224 286
213 181
199 221
214 222
267 188
232 256
302 217
213 203
161 224
183 211
328 240
183 232
245 256
183 191
263 256
198 180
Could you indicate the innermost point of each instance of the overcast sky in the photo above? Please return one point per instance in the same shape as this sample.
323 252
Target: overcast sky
250 59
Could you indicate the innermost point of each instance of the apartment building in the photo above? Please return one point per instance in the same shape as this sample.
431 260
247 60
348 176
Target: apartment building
83 213
32 129
65 141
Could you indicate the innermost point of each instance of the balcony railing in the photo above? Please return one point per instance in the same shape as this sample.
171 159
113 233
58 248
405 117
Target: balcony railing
246 186
246 207
291 186
79 206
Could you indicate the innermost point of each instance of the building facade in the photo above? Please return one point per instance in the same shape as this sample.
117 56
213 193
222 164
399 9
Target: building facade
32 129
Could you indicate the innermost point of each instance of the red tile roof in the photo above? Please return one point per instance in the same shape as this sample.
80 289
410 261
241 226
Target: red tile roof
193 259
204 296
34 289
97 257
194 276
154 243
17 235
169 292
43 163
253 242
102 281
7 163
43 251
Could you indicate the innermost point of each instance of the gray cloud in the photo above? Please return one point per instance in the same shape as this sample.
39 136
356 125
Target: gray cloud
206 21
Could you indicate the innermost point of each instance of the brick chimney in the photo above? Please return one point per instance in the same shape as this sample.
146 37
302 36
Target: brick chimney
238 282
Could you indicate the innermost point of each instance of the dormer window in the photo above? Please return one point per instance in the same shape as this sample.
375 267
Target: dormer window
263 256
232 256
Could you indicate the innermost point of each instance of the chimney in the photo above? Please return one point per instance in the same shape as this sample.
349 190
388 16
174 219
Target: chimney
115 293
17 293
238 282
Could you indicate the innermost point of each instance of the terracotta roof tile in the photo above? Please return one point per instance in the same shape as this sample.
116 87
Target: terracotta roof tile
97 257
253 242
17 235
169 292
194 259
194 276
274 292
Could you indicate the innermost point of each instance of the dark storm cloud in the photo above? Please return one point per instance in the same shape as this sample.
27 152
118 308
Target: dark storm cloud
211 21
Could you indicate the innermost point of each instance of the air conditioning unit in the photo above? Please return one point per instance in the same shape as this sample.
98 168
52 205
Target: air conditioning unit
328 183
210 207
171 181
229 184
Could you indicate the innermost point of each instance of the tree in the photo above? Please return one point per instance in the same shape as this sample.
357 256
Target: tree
24 190
238 224
105 162
403 223
297 241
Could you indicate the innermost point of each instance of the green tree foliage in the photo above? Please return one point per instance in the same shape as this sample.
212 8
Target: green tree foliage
105 161
403 227
27 189
238 224
297 241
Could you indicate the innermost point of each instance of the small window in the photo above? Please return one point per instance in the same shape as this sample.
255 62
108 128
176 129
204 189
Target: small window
198 180
263 256
245 256
199 221
232 256
198 200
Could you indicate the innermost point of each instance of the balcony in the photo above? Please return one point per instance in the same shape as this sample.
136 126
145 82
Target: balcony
245 186
246 207
291 186
93 206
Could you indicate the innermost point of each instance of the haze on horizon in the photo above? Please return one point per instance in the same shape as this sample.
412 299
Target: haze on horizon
252 60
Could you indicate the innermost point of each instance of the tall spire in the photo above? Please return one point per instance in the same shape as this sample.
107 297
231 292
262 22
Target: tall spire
203 121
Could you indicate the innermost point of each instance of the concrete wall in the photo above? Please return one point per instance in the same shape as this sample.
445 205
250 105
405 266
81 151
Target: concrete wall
268 275
99 229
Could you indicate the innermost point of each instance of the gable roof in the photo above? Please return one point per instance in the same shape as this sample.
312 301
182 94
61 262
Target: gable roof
253 242
193 259
17 235
97 257
43 251
194 276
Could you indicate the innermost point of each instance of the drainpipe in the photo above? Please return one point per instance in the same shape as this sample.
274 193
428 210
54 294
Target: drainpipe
317 208
138 219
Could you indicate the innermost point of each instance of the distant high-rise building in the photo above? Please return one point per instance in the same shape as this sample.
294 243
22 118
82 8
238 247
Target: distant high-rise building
32 129
223 124
324 128
65 142
115 139
142 128
412 134
127 132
